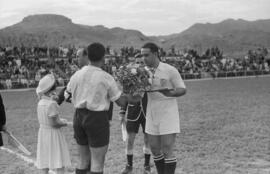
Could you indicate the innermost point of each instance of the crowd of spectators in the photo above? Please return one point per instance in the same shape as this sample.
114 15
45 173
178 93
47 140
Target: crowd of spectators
190 66
212 63
37 51
22 67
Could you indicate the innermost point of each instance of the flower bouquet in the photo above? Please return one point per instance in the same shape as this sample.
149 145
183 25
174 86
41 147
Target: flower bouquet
133 79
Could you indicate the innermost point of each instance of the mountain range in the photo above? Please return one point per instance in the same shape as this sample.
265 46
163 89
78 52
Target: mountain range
234 37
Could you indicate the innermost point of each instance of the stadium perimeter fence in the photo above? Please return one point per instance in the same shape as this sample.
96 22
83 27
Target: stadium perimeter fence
32 83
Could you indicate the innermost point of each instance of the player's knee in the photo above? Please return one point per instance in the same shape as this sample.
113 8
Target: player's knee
97 167
146 150
97 163
83 163
167 150
130 139
156 150
146 141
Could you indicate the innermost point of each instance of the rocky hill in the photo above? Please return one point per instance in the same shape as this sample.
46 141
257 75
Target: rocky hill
234 37
54 30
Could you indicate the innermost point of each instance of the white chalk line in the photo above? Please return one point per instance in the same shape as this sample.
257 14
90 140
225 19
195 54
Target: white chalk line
227 78
24 158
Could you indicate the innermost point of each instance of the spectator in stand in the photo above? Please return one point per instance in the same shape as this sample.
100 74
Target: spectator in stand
37 76
8 83
18 60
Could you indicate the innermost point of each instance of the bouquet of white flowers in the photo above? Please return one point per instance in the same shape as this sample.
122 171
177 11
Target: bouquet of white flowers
134 79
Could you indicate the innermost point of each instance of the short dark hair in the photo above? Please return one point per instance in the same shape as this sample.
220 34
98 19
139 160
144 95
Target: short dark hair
153 47
96 52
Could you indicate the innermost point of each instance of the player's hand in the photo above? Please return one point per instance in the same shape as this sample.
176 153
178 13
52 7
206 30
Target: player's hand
55 98
64 122
122 119
61 96
134 98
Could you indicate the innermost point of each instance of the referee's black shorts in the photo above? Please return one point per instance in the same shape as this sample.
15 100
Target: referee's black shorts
91 127
135 119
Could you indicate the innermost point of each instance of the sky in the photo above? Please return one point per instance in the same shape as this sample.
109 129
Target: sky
151 17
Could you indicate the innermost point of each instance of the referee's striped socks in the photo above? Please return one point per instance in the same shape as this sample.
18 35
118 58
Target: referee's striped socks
170 166
159 162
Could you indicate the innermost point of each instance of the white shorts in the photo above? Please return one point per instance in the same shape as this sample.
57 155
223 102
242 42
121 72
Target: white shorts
162 118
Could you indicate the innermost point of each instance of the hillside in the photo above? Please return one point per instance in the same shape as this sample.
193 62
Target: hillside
54 30
234 37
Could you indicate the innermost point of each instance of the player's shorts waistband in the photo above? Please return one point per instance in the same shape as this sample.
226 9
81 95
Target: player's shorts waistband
89 111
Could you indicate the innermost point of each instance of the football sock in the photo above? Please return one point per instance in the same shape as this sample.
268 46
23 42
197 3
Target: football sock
147 159
159 162
170 166
130 159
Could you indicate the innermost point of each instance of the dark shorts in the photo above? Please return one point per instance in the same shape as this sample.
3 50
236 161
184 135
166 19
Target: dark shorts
135 119
91 127
110 111
1 140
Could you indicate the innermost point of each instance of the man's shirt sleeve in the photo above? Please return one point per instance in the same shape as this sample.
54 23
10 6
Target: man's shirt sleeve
114 92
176 79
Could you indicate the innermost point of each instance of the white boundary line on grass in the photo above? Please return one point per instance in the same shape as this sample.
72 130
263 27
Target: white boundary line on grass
189 80
226 78
17 90
22 157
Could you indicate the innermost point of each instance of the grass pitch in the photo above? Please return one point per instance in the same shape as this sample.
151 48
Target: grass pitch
225 128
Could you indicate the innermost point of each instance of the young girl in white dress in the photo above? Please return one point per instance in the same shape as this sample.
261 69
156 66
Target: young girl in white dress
52 149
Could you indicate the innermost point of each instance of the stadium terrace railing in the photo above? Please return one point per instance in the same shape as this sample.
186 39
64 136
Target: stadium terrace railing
223 74
31 83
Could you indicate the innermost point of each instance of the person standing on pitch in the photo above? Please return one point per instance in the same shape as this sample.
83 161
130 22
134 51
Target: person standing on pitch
92 89
162 116
52 148
133 116
84 158
2 119
82 60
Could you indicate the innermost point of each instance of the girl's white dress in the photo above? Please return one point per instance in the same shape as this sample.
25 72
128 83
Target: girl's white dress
52 148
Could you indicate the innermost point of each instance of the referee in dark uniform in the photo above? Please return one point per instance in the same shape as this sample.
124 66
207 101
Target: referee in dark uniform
133 116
